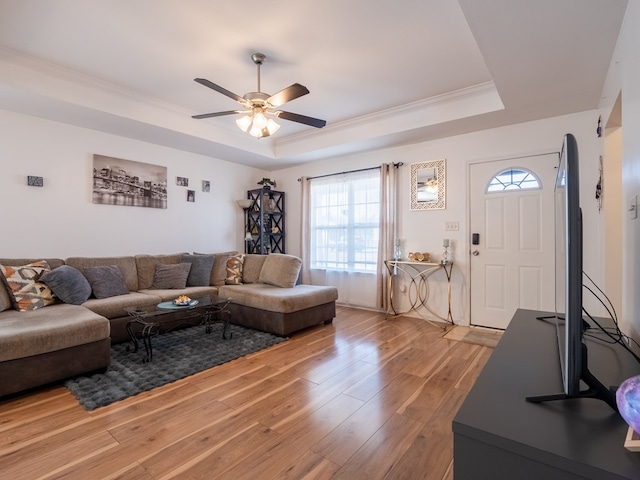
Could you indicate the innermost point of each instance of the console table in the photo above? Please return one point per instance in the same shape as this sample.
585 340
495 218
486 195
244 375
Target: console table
418 274
498 435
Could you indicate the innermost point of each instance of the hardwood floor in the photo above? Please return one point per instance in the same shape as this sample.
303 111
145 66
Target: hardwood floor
363 398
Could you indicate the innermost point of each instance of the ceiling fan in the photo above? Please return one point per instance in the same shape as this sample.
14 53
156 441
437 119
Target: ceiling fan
259 107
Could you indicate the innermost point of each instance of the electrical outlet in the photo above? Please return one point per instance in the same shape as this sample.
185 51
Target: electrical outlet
633 208
451 226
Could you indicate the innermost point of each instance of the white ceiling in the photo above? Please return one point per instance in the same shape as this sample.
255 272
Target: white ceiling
380 73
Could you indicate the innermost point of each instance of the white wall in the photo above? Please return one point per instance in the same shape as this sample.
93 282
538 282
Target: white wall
424 230
60 220
624 76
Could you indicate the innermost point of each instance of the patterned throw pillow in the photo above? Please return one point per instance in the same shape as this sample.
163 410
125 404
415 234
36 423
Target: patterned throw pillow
234 269
28 293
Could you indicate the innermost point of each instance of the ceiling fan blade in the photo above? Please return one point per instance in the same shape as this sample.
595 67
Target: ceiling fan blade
286 95
216 114
296 117
219 89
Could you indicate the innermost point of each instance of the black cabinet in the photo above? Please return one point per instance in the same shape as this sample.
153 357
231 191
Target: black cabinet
497 434
265 222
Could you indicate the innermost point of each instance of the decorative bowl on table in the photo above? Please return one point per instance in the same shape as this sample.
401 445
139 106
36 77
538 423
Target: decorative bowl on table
419 257
182 301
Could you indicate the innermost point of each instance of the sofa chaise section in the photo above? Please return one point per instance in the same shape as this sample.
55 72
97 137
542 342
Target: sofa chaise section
50 344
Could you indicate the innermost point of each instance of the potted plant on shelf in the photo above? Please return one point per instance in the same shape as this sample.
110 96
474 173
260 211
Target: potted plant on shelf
266 183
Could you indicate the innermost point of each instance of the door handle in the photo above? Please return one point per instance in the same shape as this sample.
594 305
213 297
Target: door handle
475 253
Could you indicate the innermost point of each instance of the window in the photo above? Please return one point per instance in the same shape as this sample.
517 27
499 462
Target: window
513 179
345 221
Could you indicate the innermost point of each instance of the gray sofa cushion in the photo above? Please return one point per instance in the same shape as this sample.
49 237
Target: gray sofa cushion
192 292
251 268
127 266
280 270
5 296
68 284
146 267
49 329
106 281
200 273
113 307
277 299
219 270
171 276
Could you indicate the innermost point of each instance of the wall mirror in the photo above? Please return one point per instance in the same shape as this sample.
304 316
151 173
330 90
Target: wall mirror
428 185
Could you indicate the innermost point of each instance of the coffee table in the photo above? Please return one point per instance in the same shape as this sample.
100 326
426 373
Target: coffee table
202 310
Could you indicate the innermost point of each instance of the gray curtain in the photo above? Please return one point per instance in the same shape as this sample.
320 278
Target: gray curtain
305 238
388 229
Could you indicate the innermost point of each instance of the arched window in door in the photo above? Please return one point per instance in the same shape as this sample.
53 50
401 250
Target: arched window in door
513 179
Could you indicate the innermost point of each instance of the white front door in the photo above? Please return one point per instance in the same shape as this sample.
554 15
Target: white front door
512 264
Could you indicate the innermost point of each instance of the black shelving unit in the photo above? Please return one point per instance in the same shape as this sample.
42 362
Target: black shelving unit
265 222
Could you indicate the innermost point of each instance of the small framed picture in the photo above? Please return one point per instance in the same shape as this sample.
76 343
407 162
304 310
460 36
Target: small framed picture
35 181
191 195
182 181
206 186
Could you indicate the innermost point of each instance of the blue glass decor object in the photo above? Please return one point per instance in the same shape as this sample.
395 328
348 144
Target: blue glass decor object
628 401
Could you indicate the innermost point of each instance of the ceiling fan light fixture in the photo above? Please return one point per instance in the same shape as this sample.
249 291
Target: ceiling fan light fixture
272 126
259 120
256 132
258 104
244 123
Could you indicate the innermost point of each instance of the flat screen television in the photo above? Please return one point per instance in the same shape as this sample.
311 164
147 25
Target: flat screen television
569 285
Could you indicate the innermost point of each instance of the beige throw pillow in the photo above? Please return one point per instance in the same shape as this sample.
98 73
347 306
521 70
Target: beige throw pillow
280 270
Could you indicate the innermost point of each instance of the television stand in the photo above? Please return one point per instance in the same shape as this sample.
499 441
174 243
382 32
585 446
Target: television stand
596 389
497 434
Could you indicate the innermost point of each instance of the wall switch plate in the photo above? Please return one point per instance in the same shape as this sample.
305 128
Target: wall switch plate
633 208
451 226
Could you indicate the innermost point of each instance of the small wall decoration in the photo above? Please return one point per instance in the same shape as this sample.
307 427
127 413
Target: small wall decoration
33 181
206 186
129 183
428 185
191 195
182 181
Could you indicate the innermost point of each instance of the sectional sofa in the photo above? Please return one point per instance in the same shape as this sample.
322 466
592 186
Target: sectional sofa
71 332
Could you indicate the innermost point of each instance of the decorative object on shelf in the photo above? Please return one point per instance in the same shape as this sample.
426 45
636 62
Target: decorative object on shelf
206 186
446 253
33 181
419 257
428 185
267 183
269 203
126 182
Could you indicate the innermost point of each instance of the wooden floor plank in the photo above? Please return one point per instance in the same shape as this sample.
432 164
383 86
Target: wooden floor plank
363 397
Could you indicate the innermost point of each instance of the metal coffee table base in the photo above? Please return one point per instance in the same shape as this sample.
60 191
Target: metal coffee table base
151 328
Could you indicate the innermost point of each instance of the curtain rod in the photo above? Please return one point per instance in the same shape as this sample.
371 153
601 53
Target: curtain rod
396 165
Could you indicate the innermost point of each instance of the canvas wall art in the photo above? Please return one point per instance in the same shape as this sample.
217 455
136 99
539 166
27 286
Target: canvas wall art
126 182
